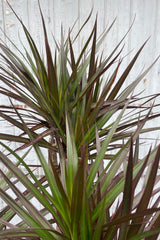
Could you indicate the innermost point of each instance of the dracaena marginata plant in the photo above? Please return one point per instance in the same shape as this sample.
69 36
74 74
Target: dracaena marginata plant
86 191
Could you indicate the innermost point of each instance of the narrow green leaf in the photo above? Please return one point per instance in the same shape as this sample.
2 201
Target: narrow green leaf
155 225
77 198
132 86
28 233
145 234
132 216
101 154
31 209
93 52
24 214
143 204
11 234
20 126
128 194
72 156
124 75
52 78
99 226
136 154
141 170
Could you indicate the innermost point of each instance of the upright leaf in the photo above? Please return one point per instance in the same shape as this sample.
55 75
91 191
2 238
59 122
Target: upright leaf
128 194
143 204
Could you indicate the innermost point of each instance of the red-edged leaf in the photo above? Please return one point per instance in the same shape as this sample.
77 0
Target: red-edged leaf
128 193
77 198
52 78
125 74
143 204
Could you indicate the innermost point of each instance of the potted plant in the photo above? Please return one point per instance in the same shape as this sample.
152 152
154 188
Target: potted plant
91 129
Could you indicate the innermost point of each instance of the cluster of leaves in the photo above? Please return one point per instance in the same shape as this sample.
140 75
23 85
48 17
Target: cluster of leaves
86 192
